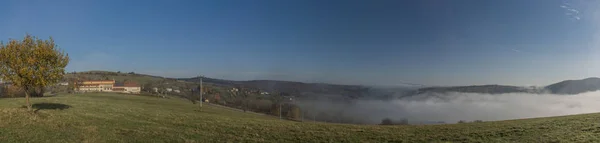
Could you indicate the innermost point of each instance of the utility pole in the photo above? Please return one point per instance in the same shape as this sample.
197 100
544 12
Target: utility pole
280 100
315 114
201 100
294 103
302 114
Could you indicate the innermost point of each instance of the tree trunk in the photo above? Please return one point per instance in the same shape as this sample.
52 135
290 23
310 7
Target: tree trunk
245 102
27 101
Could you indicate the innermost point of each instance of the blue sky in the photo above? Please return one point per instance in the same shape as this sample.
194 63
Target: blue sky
385 42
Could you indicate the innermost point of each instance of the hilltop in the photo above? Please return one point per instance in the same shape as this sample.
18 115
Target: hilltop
109 75
575 86
129 118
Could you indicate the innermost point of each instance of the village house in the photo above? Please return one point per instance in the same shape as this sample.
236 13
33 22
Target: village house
127 87
108 86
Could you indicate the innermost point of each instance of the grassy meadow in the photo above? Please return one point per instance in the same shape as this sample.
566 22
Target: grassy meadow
105 117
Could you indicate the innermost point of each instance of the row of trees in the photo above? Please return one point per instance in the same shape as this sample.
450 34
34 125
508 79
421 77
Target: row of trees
15 91
475 121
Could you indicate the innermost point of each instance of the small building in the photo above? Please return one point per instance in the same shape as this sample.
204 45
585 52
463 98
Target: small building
155 89
127 87
169 89
176 91
63 83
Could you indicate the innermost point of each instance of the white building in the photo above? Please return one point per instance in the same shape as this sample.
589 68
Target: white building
96 85
127 87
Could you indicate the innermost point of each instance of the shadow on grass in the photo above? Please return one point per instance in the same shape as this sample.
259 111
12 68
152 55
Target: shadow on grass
49 106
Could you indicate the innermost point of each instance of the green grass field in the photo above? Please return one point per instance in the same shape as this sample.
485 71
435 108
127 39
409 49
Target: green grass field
130 118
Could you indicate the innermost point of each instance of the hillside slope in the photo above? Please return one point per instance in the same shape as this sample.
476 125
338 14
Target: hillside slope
285 87
291 88
575 86
127 118
102 75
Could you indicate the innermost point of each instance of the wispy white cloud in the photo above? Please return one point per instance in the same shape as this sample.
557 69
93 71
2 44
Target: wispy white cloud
570 11
573 10
516 50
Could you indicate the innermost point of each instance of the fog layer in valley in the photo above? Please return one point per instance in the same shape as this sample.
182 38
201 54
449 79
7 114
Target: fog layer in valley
451 107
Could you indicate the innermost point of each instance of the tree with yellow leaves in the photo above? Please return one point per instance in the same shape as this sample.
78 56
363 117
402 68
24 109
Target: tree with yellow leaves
32 63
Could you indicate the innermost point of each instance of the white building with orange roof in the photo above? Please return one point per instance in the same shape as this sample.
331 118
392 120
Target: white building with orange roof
108 86
96 85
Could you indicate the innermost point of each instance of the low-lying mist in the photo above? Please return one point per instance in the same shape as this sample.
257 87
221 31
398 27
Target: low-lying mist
451 107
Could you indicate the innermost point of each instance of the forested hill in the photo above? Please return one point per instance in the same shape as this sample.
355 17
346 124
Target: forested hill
290 87
575 86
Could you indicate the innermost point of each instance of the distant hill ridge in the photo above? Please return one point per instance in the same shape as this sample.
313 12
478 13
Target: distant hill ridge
489 89
353 91
566 87
575 86
289 87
